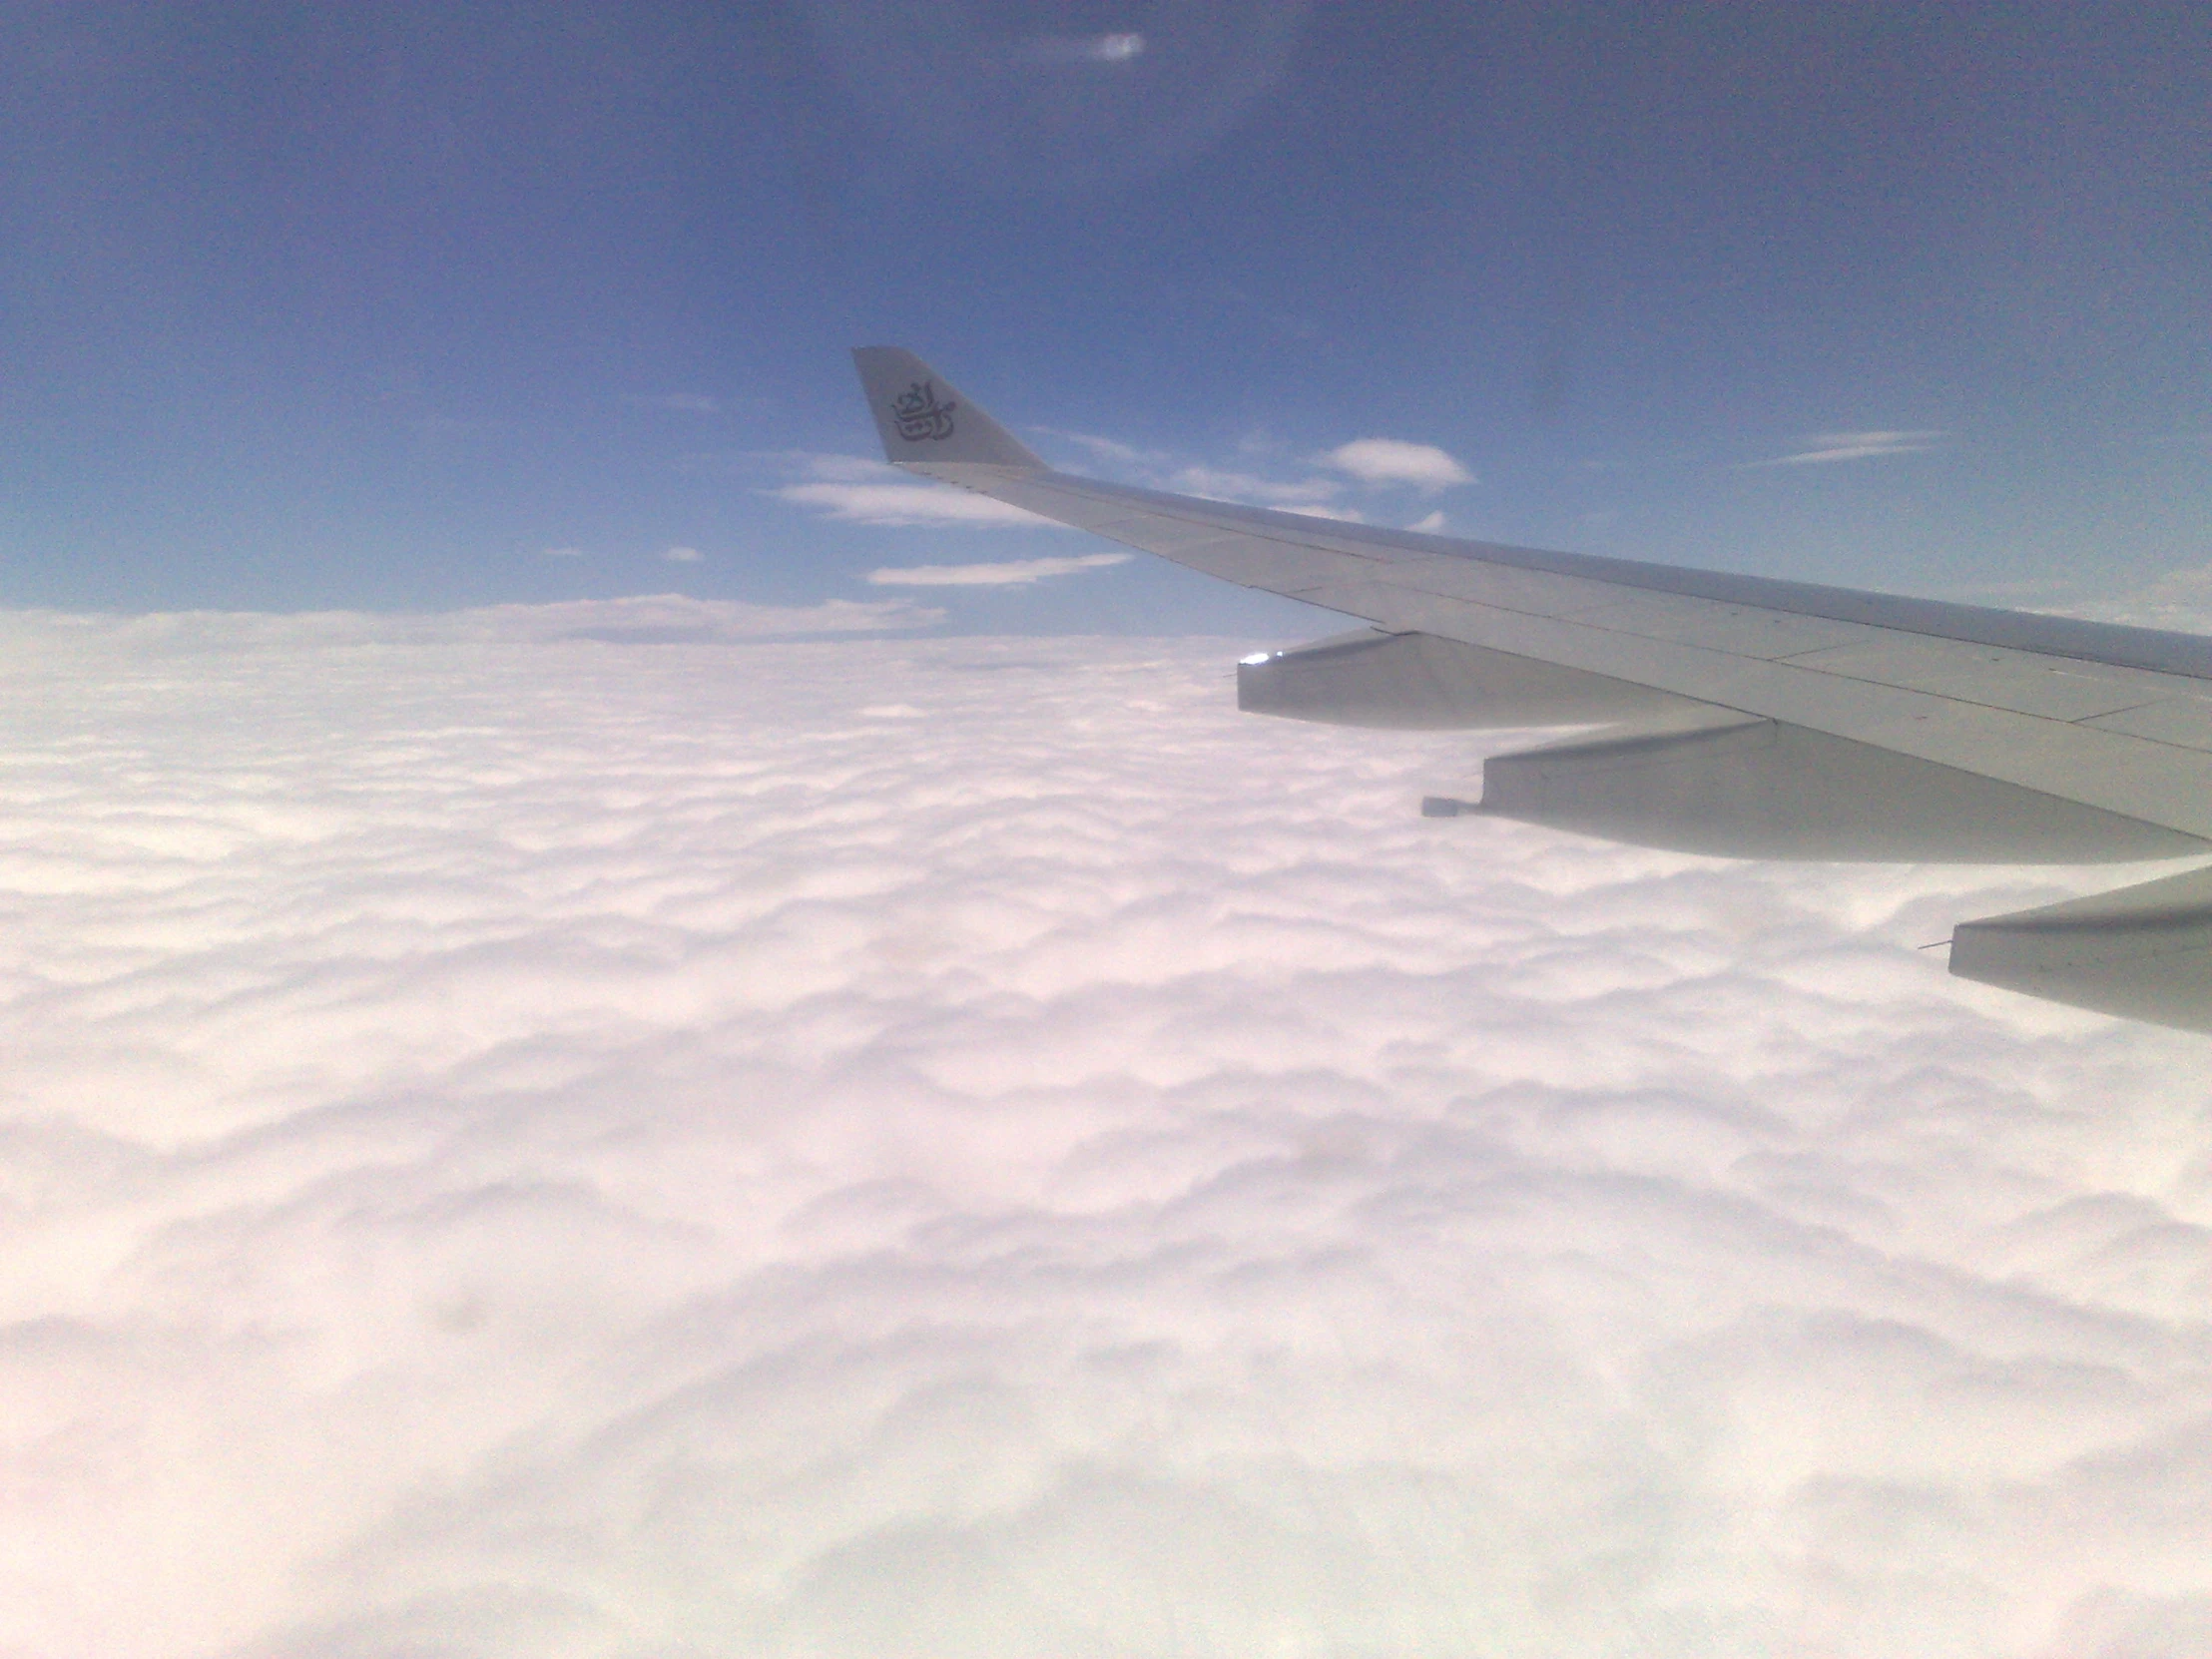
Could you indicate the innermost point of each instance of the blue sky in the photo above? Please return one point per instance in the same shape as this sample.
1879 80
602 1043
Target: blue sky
372 306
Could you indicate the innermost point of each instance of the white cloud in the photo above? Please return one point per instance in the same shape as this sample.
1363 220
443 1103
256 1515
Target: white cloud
1395 461
684 556
516 1145
1824 447
564 552
911 504
1003 573
1429 524
861 491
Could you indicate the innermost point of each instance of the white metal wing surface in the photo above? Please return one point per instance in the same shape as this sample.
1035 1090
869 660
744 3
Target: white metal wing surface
1736 715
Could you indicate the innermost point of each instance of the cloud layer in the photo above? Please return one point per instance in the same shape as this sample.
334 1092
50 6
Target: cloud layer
523 1144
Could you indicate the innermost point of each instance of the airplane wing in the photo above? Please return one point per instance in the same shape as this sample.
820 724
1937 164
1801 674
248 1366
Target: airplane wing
1735 715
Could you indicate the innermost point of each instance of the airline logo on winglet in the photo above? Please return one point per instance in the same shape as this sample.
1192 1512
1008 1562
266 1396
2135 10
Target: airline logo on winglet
919 416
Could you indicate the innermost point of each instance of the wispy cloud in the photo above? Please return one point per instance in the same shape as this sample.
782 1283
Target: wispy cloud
1823 447
1430 525
564 552
1081 49
1395 461
683 556
840 469
909 505
1104 449
1000 574
858 491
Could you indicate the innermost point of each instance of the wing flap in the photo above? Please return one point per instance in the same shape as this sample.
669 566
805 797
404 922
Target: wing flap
2144 952
1762 788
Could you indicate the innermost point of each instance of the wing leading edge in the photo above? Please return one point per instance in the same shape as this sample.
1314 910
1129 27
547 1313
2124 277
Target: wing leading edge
1742 716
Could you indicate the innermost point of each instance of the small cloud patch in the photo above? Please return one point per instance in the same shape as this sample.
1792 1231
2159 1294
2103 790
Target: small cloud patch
1395 461
684 556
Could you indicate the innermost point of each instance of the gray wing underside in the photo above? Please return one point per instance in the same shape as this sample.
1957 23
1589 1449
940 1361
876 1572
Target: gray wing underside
1744 715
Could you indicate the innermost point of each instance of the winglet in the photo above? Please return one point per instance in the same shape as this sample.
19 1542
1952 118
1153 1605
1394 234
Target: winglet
921 417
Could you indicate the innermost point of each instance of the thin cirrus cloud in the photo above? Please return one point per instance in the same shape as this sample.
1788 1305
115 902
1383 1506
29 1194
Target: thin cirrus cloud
1102 448
909 506
683 556
909 1121
1824 447
999 574
853 490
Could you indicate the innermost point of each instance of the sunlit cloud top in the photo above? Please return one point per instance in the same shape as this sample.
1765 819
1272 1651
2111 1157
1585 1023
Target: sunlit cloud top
905 1122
